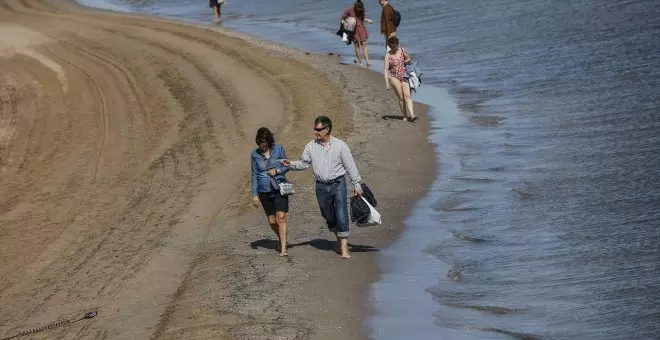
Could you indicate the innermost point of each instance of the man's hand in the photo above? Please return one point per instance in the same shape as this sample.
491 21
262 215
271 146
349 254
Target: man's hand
255 201
272 172
285 162
358 192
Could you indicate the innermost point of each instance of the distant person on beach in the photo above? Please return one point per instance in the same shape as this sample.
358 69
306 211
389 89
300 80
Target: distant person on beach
267 174
387 25
395 75
331 160
216 5
361 34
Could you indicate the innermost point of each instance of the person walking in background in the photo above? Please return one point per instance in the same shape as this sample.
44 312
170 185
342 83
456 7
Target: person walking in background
387 25
361 34
267 174
331 160
395 75
216 5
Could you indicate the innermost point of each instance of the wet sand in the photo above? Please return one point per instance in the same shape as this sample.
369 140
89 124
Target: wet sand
124 180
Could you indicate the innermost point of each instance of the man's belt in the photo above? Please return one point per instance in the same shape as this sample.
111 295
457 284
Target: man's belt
332 181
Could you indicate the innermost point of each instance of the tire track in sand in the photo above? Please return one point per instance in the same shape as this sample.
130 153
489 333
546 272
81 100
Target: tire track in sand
132 85
101 109
12 110
227 93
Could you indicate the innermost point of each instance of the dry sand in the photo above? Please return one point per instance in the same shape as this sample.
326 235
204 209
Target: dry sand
124 180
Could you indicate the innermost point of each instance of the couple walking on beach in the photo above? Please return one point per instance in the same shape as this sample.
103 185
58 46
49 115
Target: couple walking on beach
330 159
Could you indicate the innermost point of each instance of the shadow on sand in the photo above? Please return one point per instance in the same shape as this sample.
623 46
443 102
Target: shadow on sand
319 243
386 117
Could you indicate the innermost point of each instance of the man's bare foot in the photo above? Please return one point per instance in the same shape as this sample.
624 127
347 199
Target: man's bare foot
344 248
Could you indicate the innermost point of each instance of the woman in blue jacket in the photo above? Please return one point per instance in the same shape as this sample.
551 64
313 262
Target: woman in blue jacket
267 174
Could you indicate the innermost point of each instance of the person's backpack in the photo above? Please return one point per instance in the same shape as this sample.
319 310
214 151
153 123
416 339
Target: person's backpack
397 17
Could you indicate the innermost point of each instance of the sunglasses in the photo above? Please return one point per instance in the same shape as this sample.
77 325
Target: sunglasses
320 129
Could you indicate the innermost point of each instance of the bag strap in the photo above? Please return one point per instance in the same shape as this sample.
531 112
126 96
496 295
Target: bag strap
405 54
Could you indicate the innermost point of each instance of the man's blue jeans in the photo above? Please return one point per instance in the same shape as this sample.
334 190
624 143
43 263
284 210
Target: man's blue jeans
333 203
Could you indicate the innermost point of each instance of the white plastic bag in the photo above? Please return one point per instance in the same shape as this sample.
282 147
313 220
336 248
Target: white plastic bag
344 37
374 215
349 24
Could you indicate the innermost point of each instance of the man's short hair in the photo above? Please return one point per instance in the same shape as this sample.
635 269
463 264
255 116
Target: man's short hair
325 121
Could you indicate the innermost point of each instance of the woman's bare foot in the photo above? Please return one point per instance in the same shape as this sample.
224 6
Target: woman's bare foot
284 254
346 255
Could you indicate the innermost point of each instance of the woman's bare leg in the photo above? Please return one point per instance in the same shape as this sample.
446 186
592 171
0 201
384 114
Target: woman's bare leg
272 220
396 83
281 223
365 50
216 9
408 99
356 45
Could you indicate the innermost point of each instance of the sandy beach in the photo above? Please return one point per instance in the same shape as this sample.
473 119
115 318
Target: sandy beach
124 180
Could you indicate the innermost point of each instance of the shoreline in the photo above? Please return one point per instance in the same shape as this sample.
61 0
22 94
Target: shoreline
250 299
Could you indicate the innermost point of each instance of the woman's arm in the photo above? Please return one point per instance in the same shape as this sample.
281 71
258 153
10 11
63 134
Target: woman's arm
281 169
406 56
253 164
385 71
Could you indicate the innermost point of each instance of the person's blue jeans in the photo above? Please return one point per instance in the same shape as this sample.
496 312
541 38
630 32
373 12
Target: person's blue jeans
333 202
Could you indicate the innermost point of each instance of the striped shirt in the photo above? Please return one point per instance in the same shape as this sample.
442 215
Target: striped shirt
329 162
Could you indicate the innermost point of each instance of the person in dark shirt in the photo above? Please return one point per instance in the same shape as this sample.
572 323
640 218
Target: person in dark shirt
387 25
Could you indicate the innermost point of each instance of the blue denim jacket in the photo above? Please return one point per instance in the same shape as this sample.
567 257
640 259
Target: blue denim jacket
261 180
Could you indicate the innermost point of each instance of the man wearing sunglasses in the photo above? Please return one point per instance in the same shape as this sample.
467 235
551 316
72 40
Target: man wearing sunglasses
331 160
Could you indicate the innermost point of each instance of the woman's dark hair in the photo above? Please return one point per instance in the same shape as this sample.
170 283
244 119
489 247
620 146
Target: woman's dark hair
264 135
359 9
392 41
